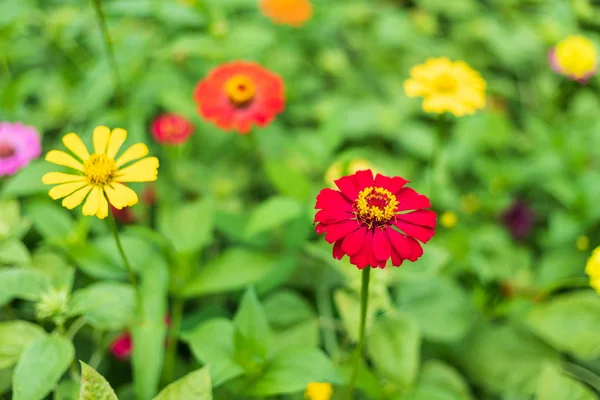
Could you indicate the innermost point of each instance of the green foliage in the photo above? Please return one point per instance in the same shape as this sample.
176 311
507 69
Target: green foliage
188 227
15 337
194 386
94 386
40 367
555 385
106 306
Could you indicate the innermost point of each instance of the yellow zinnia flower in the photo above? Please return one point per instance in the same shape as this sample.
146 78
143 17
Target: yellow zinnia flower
449 219
100 176
575 57
446 86
318 391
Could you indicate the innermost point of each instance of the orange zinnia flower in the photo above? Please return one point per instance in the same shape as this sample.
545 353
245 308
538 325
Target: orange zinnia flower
289 12
238 95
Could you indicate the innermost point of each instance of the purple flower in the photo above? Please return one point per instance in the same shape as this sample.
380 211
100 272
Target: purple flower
19 144
519 219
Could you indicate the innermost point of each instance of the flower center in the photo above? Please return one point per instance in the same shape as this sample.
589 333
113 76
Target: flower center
375 206
6 150
445 84
99 169
240 89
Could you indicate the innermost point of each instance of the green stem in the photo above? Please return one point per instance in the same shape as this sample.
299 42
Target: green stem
132 278
76 326
171 351
326 312
109 47
436 153
582 374
364 300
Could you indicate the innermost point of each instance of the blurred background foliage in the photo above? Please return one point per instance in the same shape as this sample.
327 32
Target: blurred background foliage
482 315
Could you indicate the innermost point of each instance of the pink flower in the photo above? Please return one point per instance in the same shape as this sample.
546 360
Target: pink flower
171 129
19 144
122 346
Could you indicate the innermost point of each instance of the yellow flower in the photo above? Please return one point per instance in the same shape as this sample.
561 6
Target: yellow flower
595 284
583 243
448 219
360 165
592 268
99 175
318 391
575 57
446 86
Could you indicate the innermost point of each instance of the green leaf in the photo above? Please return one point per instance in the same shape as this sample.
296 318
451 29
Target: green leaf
252 333
14 252
280 175
67 389
272 213
28 181
555 385
149 333
51 220
569 322
506 358
212 344
107 306
94 386
439 381
41 366
194 386
22 283
442 308
15 336
286 308
11 223
233 270
394 344
189 227
291 370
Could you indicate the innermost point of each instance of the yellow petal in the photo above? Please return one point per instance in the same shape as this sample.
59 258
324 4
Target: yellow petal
74 143
62 158
136 151
120 195
101 136
76 198
53 178
102 206
92 203
145 170
117 138
60 191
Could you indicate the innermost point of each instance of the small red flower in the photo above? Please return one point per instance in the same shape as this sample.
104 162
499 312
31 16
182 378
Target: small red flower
373 220
124 215
122 346
240 94
171 129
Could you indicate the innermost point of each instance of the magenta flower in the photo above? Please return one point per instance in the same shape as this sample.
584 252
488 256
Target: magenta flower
19 144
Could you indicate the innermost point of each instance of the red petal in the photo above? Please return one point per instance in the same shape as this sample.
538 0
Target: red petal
382 248
416 250
420 233
329 198
337 231
399 243
337 250
396 259
321 228
365 179
411 200
329 216
420 217
354 242
349 186
361 259
392 184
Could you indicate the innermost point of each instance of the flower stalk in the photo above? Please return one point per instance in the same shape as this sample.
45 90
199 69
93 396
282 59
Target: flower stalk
364 302
108 42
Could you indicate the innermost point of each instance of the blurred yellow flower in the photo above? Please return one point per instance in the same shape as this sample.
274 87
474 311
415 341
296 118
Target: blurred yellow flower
100 176
592 268
448 219
576 57
339 169
582 243
446 86
595 284
470 203
318 391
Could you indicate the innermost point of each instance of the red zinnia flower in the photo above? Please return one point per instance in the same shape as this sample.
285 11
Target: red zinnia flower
373 220
171 129
239 94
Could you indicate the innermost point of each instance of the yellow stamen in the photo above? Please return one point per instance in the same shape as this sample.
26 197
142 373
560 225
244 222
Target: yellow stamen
445 84
375 205
240 89
99 169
